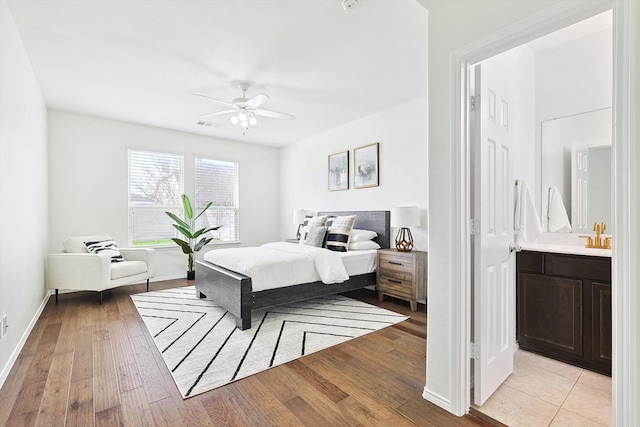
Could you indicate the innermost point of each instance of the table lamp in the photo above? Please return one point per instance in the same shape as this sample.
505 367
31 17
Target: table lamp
298 218
405 217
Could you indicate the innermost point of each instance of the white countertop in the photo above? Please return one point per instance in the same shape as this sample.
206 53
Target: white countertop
567 249
565 243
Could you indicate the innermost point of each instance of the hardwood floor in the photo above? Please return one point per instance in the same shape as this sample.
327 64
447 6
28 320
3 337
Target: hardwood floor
86 364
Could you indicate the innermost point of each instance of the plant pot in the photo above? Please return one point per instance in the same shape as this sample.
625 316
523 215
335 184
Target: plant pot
191 275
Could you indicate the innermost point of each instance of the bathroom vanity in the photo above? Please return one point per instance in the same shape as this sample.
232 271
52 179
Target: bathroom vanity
564 307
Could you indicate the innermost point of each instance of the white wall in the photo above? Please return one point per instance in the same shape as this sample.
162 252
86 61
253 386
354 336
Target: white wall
572 78
88 185
575 77
23 191
403 164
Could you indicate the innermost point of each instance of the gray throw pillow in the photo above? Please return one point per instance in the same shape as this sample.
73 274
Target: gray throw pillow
316 236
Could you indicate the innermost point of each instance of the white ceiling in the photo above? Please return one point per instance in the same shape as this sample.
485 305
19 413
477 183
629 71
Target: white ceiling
142 60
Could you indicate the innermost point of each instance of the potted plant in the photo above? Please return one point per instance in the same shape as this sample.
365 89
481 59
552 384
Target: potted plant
192 244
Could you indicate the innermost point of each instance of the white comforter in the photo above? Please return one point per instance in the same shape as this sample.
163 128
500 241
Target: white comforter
280 264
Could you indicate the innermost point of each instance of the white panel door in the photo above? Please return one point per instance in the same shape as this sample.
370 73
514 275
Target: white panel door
579 187
494 276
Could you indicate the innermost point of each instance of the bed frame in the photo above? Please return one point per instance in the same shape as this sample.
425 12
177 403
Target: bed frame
233 291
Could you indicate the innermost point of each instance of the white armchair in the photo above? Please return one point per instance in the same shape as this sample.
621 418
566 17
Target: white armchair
76 268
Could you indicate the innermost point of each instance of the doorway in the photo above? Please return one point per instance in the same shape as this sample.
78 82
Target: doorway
525 121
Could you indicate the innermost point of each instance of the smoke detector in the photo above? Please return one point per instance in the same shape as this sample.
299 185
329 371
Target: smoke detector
349 5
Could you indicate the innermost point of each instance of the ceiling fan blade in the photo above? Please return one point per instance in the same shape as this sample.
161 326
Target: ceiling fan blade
219 113
256 101
274 114
228 104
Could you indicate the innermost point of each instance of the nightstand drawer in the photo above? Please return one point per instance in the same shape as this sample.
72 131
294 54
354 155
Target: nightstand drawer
404 276
396 263
396 286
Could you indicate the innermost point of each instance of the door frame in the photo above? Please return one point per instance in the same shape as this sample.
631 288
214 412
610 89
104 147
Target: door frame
625 392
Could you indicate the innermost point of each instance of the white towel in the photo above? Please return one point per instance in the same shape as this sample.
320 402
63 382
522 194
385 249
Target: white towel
557 214
526 220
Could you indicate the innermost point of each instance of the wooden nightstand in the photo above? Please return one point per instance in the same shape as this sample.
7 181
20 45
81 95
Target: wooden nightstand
402 275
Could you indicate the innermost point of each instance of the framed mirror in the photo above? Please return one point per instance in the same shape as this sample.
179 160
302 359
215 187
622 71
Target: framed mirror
576 160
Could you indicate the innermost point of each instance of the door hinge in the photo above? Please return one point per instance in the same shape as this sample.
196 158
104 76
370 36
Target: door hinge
474 227
474 102
474 351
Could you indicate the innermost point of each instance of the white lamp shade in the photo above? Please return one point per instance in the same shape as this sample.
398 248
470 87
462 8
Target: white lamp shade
406 216
298 216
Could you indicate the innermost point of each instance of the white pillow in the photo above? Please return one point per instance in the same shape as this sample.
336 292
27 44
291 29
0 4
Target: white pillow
362 235
367 244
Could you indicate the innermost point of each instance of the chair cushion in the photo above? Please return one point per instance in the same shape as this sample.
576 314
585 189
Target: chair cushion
76 245
127 268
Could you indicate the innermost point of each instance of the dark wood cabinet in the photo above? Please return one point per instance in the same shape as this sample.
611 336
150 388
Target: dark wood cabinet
564 307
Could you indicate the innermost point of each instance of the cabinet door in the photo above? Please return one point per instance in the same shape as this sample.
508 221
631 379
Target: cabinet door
602 319
550 314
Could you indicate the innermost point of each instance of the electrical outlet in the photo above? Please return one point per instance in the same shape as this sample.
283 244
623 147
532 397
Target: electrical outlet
5 324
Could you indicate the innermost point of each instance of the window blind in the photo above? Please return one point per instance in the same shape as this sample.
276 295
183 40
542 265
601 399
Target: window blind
217 181
156 182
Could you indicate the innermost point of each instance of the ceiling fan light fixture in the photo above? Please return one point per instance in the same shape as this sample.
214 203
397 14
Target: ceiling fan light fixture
245 111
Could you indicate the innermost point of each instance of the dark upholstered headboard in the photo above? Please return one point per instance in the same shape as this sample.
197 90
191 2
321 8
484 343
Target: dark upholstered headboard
378 221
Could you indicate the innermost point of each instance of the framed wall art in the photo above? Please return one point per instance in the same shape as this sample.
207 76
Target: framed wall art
339 171
365 166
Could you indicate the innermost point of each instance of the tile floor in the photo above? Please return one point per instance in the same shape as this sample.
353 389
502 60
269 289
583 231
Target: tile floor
545 392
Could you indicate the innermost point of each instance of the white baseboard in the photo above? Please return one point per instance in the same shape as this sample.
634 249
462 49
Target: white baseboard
437 400
14 356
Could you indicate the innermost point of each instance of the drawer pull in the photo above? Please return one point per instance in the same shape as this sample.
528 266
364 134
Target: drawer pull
395 263
394 281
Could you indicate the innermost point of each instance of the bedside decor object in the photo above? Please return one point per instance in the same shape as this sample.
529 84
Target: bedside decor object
402 275
187 227
365 165
339 171
298 218
405 217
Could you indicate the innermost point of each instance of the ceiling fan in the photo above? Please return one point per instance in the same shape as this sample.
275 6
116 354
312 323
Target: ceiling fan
245 110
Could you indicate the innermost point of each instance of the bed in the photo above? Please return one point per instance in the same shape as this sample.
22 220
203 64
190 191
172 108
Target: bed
234 291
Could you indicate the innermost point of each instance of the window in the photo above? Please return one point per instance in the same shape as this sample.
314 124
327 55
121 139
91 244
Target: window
155 186
217 181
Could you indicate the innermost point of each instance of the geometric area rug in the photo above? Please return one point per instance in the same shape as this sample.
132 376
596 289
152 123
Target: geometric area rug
203 349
